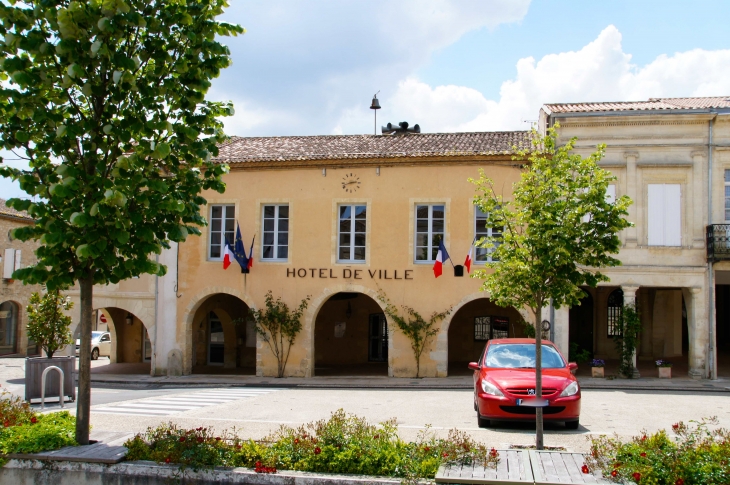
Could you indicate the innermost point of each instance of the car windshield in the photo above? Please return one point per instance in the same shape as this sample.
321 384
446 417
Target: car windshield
96 335
522 356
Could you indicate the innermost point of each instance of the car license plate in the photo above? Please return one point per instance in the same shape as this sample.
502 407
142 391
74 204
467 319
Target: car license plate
518 402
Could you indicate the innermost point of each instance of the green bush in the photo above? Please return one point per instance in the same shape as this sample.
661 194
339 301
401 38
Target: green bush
698 455
342 444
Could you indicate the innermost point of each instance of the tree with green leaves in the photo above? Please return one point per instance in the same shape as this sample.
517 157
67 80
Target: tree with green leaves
278 326
48 326
106 101
559 229
628 341
418 330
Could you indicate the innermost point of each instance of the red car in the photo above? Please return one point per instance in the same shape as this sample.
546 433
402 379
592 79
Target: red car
504 383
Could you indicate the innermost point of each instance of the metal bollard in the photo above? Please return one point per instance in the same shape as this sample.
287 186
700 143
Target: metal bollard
61 397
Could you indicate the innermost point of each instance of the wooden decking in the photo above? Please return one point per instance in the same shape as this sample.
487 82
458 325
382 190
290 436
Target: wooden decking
521 467
107 449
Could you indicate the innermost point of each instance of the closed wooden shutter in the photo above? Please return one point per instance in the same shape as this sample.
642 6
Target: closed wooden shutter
664 215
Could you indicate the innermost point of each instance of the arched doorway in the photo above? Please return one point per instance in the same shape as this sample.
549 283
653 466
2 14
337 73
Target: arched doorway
350 337
223 337
580 328
130 339
8 328
472 326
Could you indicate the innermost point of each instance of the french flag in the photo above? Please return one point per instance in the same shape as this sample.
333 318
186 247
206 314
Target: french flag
228 256
467 262
441 258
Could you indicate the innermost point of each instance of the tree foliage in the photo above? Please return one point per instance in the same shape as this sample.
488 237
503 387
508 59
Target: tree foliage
279 326
559 229
106 100
48 326
418 330
628 341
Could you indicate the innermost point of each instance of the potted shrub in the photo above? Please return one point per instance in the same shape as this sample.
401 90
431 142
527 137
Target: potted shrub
49 327
597 367
665 369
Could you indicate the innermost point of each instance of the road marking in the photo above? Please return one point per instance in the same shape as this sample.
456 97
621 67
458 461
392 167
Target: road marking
180 403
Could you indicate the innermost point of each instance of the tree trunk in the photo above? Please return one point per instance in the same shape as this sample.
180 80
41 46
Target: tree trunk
83 402
538 379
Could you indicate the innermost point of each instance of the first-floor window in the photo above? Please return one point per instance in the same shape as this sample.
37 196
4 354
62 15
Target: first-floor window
222 228
430 222
615 313
484 255
276 232
352 233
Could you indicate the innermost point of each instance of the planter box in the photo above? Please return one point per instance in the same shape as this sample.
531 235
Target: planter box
34 367
665 372
597 371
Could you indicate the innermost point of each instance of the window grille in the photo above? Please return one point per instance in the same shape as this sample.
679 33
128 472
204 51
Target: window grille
615 313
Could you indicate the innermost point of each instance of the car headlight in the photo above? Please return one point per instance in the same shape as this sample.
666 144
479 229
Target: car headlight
571 390
490 388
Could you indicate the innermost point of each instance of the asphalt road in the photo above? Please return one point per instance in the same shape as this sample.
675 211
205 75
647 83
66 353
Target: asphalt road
257 413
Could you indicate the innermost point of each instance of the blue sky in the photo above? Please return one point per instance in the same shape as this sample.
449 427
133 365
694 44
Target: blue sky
311 67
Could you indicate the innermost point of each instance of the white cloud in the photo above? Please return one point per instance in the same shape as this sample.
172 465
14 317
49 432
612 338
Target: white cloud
600 71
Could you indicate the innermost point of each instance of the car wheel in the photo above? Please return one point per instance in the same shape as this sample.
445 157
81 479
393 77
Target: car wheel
94 354
572 424
482 422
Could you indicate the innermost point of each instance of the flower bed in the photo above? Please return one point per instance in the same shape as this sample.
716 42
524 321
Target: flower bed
24 431
342 444
698 455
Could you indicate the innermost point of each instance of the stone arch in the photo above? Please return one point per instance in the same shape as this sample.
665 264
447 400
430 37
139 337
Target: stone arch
440 352
315 306
189 316
130 339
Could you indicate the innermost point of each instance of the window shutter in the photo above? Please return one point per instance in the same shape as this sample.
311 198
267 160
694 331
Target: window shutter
672 215
8 263
655 214
17 259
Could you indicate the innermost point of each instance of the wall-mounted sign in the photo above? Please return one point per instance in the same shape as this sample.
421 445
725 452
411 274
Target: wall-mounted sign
349 273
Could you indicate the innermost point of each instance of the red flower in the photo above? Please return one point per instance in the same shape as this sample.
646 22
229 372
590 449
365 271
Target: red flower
642 454
296 441
643 438
238 447
258 464
317 450
679 482
217 438
34 420
637 476
199 429
675 426
182 439
427 449
200 440
445 455
614 473
6 424
493 453
616 465
167 460
376 436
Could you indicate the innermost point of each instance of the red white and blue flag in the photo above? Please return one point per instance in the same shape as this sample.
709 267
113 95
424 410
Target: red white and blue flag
467 262
441 258
228 255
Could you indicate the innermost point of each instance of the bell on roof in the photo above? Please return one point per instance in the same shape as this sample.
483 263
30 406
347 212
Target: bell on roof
375 104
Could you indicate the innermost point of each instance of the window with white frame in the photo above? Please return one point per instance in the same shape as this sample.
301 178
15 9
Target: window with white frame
727 195
222 228
481 230
664 215
351 237
430 223
276 232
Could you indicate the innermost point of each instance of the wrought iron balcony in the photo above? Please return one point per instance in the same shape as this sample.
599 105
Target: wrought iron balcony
718 242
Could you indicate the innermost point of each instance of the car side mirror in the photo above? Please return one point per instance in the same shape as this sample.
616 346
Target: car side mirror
473 366
573 367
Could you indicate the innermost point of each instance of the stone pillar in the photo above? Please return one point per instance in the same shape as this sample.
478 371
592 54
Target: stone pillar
562 330
696 301
165 361
632 239
630 299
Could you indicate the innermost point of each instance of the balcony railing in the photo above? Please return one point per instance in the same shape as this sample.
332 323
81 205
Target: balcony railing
718 242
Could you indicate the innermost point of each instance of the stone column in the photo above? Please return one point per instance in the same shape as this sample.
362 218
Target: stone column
562 329
632 239
696 301
166 350
630 299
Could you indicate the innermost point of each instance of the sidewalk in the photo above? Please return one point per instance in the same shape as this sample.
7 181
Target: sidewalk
361 382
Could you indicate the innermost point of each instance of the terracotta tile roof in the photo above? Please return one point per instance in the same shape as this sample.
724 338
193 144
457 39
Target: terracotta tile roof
10 212
341 147
651 104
